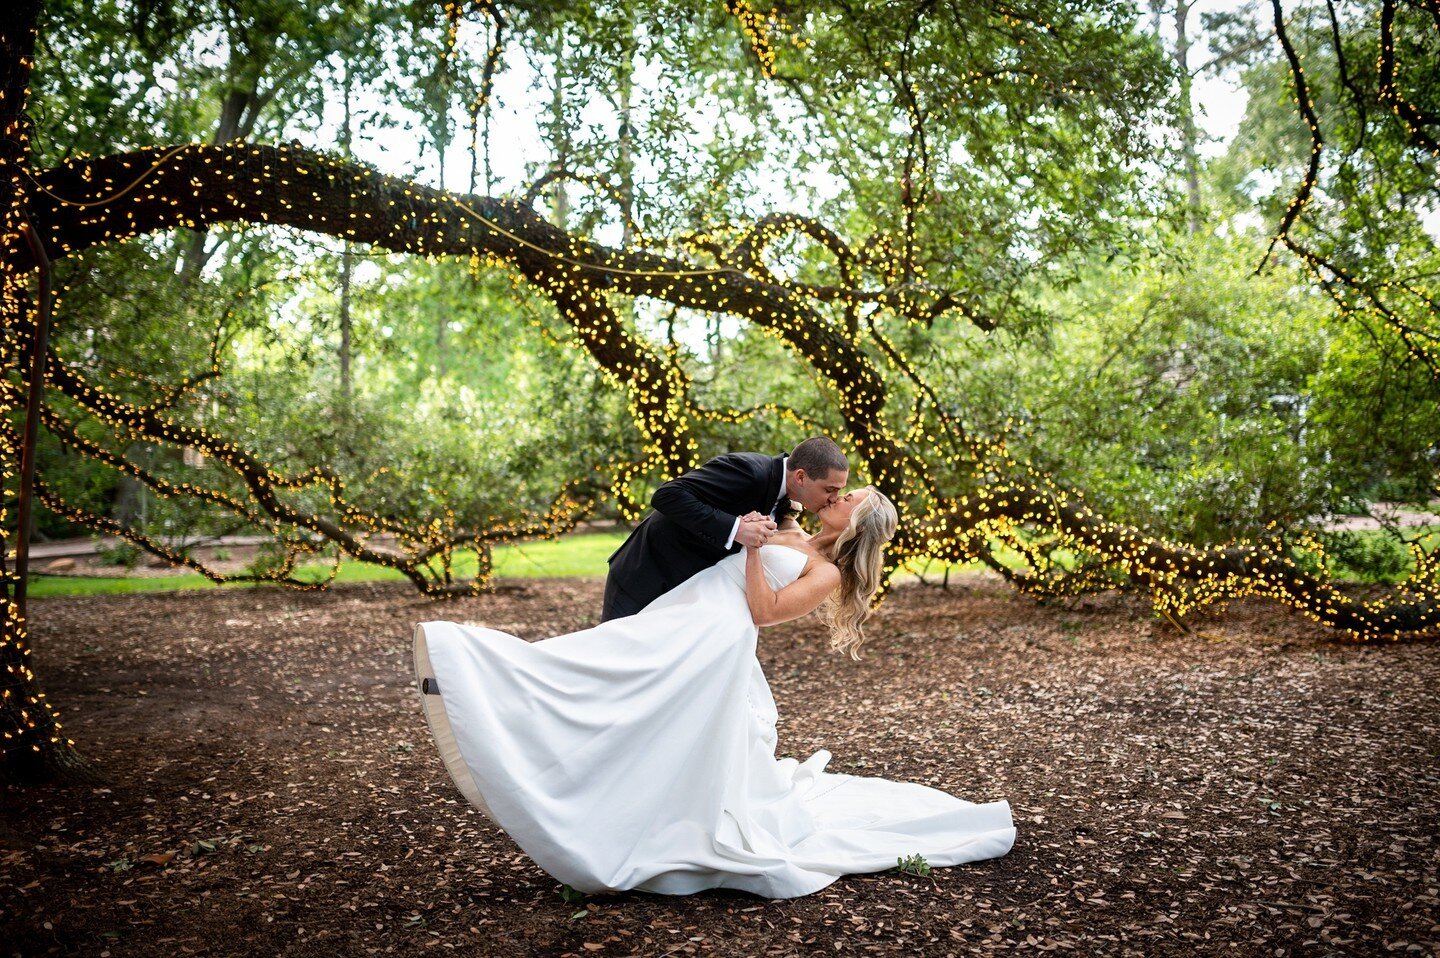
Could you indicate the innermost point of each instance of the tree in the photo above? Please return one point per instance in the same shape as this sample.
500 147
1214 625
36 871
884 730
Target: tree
1338 148
1369 168
1055 101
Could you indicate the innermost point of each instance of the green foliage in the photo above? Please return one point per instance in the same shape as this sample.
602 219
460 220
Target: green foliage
1030 127
1370 556
268 557
125 554
1174 393
1377 414
913 865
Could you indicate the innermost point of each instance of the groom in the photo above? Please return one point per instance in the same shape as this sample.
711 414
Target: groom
697 518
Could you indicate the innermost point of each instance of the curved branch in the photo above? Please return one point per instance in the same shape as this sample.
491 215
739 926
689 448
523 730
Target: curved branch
1414 117
198 185
1219 573
301 188
1317 143
748 249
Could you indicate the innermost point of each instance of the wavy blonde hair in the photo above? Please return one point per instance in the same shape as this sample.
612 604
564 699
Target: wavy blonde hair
860 556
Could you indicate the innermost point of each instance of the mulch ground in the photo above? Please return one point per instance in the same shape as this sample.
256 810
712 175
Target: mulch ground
1252 788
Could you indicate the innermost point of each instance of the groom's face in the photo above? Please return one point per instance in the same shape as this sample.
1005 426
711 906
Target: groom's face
815 493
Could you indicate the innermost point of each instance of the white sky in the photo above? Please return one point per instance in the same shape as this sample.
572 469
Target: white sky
1220 106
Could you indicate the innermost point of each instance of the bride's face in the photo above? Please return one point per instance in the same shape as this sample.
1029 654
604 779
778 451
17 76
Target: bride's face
837 514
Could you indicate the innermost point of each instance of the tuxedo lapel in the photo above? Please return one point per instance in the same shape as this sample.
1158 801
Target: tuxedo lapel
772 487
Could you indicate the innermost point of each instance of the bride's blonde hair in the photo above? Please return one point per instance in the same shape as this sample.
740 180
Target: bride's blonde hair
860 556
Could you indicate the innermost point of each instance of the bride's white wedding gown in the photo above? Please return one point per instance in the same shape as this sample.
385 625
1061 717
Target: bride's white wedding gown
640 754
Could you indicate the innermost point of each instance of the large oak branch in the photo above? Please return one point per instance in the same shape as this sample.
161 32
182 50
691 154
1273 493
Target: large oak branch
94 201
116 197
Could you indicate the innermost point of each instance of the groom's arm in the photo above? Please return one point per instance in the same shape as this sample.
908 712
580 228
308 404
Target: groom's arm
691 500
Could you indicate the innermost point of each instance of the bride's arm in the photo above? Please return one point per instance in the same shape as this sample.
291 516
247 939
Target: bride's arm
801 597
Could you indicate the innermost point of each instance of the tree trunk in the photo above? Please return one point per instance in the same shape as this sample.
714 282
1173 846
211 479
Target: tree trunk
194 255
33 748
31 745
346 269
626 161
440 364
1189 136
559 196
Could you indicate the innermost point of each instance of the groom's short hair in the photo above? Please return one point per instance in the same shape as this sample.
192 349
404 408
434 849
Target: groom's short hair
818 456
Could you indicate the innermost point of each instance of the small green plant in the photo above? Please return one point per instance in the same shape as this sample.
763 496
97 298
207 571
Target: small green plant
122 553
913 865
570 896
221 554
269 560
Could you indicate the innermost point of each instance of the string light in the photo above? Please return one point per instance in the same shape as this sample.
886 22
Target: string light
962 496
758 29
30 730
1422 345
577 279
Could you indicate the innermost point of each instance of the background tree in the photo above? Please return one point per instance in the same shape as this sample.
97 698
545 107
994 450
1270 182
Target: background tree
1352 189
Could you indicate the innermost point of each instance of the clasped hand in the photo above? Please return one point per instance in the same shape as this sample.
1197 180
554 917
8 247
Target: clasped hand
755 530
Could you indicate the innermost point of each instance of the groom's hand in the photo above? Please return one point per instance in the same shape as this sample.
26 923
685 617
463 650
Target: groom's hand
755 530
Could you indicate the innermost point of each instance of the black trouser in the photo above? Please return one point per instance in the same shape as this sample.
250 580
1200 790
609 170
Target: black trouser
618 602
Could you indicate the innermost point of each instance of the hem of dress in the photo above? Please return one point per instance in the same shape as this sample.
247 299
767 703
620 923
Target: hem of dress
772 891
439 721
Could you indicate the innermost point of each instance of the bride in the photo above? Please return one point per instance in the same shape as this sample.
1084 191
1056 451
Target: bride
640 754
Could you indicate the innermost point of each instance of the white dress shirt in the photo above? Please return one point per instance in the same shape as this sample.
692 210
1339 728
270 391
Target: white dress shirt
784 475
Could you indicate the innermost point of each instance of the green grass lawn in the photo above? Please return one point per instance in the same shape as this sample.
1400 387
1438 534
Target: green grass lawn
577 555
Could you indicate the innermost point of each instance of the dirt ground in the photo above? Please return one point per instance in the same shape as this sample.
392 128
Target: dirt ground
1251 788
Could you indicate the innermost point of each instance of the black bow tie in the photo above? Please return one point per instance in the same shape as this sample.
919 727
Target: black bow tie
781 508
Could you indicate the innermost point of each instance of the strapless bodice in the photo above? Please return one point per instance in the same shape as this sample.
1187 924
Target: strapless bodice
783 565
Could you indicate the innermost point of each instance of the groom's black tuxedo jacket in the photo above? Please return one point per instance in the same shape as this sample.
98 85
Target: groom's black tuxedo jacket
693 515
